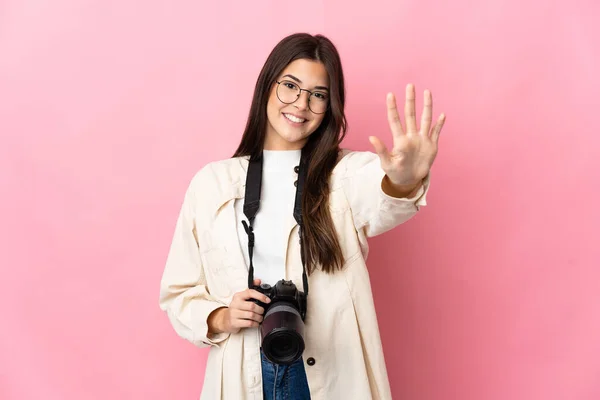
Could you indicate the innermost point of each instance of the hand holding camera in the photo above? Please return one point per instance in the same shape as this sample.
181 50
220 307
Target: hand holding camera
241 313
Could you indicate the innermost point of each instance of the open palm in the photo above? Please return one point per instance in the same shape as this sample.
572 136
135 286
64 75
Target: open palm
414 149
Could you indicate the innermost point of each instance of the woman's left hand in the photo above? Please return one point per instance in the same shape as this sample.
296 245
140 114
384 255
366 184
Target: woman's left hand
415 149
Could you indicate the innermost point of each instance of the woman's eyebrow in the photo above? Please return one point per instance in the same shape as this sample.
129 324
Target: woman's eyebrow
299 81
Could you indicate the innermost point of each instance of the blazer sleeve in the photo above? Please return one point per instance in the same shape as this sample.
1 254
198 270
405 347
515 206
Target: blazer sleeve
374 211
184 294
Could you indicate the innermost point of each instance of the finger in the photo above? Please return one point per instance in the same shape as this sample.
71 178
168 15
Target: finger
257 282
380 149
393 116
253 294
409 109
426 116
249 315
435 135
241 297
250 306
239 323
247 323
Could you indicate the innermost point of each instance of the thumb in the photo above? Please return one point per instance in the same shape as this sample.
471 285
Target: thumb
380 149
257 282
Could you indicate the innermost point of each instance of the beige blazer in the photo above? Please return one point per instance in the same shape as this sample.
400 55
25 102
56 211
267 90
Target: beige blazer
205 268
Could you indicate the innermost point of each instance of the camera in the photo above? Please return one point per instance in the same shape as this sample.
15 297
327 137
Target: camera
282 328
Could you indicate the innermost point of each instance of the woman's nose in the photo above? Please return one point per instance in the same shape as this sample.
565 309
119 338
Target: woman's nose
302 102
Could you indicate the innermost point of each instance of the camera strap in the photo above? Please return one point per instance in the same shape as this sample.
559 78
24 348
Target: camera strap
252 204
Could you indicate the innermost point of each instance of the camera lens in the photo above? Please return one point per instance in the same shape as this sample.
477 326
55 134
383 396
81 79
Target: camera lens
285 347
282 334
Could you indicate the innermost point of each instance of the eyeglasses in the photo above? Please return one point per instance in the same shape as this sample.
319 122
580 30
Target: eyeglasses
288 92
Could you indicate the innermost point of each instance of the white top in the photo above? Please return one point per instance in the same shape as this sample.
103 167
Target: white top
278 195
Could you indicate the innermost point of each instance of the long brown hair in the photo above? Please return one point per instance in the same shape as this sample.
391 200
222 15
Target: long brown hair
320 243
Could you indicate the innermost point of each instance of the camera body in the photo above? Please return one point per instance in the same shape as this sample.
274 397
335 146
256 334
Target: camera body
282 328
283 290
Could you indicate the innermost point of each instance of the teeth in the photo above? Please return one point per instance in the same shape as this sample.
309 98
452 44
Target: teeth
293 119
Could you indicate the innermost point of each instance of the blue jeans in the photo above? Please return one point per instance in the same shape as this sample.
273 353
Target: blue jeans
284 382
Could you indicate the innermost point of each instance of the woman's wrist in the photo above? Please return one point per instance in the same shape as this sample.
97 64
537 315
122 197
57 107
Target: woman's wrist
215 321
400 191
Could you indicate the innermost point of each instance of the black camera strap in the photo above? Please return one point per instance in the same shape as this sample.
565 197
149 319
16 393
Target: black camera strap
252 204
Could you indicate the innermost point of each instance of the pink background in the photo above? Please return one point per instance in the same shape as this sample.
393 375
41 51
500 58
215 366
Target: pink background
108 108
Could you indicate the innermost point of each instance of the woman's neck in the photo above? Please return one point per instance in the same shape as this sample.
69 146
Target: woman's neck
278 143
281 160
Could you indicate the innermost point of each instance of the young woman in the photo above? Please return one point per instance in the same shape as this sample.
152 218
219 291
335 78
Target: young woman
294 130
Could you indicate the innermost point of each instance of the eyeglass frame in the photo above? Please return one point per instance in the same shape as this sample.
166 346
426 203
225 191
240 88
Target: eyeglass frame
300 94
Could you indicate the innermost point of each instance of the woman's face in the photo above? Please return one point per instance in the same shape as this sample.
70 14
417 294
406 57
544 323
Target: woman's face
290 125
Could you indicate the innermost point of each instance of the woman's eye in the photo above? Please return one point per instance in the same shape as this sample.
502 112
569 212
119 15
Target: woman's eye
290 85
320 96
